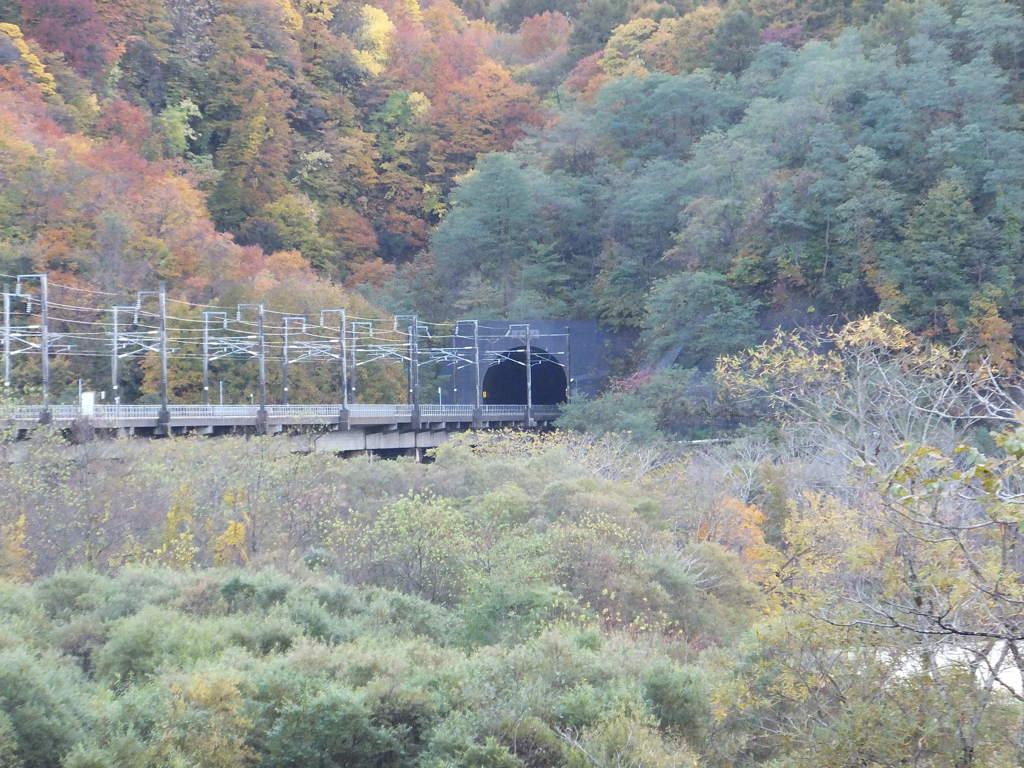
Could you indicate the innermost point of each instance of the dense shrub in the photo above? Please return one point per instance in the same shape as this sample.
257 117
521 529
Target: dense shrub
44 707
538 601
308 671
329 728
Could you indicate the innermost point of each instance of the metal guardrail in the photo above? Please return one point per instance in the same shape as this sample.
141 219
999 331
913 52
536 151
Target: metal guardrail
326 412
24 412
218 412
117 412
380 411
453 412
35 412
504 411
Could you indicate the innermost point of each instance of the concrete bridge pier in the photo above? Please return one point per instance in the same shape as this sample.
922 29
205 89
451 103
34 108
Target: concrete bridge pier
163 423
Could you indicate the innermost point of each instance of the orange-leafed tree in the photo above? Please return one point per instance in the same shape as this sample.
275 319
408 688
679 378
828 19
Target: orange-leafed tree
251 134
486 112
544 35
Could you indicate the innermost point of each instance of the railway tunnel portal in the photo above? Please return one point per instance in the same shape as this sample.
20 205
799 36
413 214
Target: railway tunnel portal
506 381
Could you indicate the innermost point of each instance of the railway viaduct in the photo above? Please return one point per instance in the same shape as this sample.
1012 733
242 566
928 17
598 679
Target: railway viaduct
488 374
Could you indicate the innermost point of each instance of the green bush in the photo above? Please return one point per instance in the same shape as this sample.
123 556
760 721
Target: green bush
315 619
679 697
70 593
44 709
338 597
122 751
404 706
418 544
582 705
532 742
625 740
245 591
466 626
498 610
490 754
136 585
456 746
139 645
261 634
404 615
80 638
329 729
9 757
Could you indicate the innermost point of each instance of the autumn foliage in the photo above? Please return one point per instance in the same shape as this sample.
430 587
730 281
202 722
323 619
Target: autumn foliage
368 112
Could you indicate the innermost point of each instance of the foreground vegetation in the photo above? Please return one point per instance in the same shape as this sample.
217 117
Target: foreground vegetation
845 593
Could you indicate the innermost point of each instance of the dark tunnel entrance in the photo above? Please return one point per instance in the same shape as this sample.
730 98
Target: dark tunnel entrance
505 382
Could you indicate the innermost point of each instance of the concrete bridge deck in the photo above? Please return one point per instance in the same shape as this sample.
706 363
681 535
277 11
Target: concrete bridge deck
359 427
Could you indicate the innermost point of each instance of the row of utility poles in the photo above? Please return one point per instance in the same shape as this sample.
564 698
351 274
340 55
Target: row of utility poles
44 332
216 346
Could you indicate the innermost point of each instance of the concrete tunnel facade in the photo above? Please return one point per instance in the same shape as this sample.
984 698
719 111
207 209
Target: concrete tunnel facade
569 358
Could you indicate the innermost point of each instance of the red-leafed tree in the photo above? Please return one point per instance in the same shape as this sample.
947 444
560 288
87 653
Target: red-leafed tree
73 27
127 122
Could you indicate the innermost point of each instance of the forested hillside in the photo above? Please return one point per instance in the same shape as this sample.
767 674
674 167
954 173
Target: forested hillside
330 128
650 164
787 182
